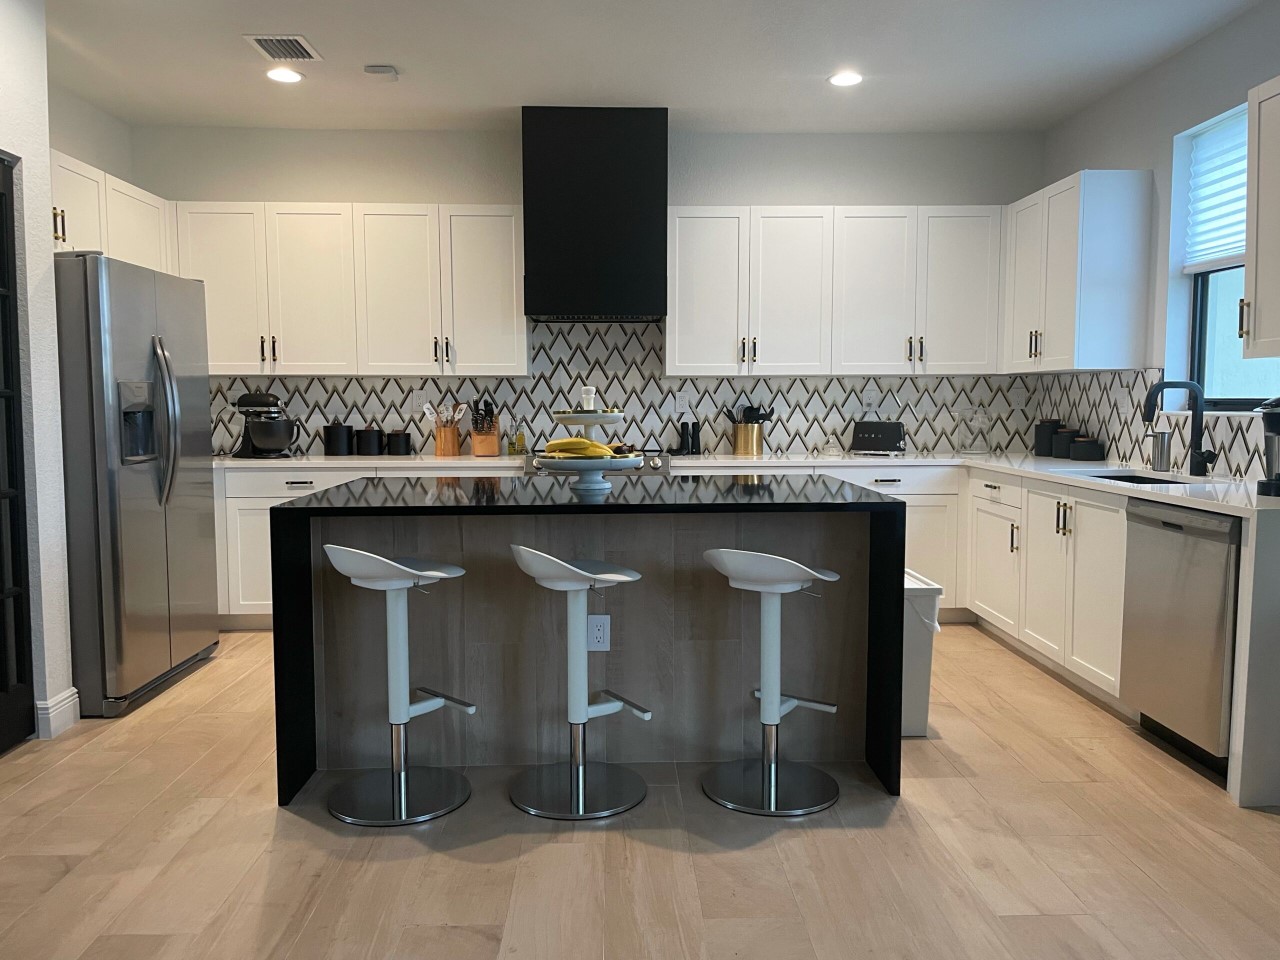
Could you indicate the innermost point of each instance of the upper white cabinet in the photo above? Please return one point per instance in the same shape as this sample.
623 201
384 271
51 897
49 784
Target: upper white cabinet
789 325
1260 310
79 204
957 307
708 262
482 291
225 245
1076 267
137 225
311 288
398 289
873 326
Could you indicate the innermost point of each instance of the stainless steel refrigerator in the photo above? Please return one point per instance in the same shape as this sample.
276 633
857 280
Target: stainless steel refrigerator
137 454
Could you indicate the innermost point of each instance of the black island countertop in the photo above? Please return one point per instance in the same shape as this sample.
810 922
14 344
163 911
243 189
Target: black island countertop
642 493
682 637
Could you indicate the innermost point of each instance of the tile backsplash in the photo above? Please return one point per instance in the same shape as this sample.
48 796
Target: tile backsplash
624 362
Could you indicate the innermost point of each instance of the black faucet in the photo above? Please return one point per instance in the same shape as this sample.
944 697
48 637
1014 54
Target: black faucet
1200 460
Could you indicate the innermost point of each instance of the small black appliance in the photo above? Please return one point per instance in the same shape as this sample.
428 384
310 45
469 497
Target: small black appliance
885 438
267 432
1270 487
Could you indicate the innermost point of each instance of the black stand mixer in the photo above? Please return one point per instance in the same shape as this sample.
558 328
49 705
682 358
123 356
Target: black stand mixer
268 432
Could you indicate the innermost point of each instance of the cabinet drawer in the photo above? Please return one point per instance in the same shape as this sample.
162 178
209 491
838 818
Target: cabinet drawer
996 487
286 483
896 479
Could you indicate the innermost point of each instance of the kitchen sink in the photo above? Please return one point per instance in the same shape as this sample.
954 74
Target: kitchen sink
1141 479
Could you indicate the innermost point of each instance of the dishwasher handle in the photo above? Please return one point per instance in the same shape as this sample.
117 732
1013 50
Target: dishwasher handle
1189 523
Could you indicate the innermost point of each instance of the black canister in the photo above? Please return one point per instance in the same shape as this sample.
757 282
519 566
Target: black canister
1088 448
1062 441
369 442
338 440
1044 431
398 444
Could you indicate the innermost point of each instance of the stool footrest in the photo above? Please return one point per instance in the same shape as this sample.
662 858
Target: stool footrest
644 713
434 700
790 702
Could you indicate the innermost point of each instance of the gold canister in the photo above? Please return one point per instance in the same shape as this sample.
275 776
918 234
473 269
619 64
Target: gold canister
748 439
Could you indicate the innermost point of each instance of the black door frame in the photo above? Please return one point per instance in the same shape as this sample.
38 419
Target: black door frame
17 691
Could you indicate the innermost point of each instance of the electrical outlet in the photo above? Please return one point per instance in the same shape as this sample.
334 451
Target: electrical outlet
1018 396
598 632
682 405
871 396
418 401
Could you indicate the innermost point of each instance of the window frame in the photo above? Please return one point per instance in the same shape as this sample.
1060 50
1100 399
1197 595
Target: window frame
1199 339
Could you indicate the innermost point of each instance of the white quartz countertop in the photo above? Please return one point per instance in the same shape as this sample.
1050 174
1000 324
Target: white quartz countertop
466 463
1216 494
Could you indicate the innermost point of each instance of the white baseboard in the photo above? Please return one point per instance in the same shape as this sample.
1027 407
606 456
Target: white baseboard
58 714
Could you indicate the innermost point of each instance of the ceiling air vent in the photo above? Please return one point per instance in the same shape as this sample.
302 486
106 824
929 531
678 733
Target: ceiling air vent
283 48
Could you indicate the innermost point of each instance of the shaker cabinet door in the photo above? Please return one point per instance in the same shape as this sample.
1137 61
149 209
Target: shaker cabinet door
1045 569
958 277
708 261
1024 283
225 245
790 311
249 553
80 202
1098 534
1260 319
397 289
995 563
137 226
874 291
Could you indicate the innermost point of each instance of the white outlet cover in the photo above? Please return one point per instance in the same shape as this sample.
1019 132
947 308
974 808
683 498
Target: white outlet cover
1018 396
682 405
418 400
598 632
871 396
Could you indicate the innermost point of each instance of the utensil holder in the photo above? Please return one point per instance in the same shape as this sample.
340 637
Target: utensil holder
748 440
484 444
448 444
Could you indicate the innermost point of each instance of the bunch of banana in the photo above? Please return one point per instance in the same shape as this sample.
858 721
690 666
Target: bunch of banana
577 448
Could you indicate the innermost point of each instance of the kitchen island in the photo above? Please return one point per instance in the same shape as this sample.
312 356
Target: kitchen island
683 642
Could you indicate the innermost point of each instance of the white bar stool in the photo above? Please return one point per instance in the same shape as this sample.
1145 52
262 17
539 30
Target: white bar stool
403 794
770 786
578 790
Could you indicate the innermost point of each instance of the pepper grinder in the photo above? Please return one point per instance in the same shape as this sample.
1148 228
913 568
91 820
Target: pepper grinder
695 438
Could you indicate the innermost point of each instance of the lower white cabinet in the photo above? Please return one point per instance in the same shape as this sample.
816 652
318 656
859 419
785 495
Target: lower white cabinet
932 525
995 563
248 531
1045 569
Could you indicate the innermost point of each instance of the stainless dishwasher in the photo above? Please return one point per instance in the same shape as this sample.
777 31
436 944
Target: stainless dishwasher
1179 623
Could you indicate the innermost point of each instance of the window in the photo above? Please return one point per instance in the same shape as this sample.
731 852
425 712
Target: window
1214 256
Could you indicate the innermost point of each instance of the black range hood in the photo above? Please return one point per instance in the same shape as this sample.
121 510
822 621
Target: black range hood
595 213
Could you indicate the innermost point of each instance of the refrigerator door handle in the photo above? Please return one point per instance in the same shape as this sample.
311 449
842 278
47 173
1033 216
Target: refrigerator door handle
173 418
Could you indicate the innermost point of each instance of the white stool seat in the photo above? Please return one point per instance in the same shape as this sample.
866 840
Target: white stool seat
373 572
764 572
556 574
403 794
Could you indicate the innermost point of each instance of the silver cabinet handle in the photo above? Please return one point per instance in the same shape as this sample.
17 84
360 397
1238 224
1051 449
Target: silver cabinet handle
887 480
1242 331
299 483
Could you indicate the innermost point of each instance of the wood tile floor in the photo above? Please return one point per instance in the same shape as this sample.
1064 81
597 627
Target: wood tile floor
1032 825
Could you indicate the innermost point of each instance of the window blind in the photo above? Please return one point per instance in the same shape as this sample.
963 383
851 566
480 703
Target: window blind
1216 214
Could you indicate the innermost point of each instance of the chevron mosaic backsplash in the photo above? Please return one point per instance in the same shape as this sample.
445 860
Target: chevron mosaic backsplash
624 362
1108 405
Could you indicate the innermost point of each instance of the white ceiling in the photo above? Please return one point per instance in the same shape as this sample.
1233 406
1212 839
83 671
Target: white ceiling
723 65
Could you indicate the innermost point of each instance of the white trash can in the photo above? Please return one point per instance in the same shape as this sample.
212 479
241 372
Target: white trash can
919 624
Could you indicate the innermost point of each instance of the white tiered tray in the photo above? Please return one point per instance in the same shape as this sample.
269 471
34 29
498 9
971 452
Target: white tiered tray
590 470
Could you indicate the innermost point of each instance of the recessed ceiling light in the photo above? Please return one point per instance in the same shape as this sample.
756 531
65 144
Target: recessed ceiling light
284 75
845 78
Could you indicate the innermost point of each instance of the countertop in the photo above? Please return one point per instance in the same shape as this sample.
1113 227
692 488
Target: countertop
467 463
651 493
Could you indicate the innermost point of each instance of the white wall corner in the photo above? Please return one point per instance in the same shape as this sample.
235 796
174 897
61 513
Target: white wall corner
57 715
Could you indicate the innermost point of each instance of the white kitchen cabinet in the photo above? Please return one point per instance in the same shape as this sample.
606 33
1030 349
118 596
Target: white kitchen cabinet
789 328
1096 532
397 279
482 291
137 225
873 326
80 204
1024 280
311 288
932 527
225 245
1260 309
708 263
248 540
958 289
1045 569
995 563
1077 257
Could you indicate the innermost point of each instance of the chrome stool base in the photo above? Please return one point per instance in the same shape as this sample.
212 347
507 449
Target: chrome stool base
549 791
799 788
375 798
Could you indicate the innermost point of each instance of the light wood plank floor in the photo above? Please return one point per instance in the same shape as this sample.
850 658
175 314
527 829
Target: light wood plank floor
1032 825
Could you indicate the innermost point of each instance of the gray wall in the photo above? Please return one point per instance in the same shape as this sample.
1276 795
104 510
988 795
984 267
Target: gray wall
24 137
1134 127
81 130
